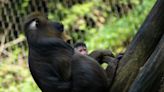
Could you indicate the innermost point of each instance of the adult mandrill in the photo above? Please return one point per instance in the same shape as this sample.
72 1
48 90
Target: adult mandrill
54 65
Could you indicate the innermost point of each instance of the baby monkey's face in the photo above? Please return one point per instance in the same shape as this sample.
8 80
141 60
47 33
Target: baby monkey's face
82 50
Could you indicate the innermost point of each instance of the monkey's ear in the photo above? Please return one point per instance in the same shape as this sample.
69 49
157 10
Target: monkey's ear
58 26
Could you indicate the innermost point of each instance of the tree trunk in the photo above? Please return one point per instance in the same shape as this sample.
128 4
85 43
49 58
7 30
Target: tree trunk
140 49
151 71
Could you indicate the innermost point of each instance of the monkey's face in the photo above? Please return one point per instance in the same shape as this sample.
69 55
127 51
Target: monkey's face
82 50
37 28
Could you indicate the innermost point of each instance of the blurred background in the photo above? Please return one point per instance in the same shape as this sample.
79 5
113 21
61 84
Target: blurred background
101 24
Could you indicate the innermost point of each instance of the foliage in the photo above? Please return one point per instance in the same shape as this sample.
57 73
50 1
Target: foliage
118 32
15 75
110 28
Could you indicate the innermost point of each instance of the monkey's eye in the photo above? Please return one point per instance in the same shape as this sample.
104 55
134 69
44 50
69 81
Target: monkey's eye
34 24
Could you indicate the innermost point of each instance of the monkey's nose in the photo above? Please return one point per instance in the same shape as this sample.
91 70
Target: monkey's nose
58 26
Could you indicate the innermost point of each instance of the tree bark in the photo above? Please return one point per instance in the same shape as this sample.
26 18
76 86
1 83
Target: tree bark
151 71
140 49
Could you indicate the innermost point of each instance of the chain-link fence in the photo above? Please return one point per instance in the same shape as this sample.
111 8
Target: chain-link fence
94 15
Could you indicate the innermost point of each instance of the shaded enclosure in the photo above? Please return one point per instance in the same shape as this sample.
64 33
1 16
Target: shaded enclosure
141 68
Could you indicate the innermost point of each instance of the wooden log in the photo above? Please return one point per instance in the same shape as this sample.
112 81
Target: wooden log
151 71
140 49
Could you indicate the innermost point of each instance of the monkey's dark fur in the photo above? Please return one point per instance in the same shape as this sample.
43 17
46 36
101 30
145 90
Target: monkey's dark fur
54 65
